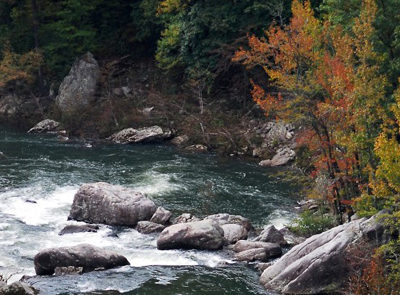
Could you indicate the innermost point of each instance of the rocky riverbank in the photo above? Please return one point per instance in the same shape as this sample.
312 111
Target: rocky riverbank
121 101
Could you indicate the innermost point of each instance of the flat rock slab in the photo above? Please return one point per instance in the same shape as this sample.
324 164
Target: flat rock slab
140 135
202 235
110 204
86 256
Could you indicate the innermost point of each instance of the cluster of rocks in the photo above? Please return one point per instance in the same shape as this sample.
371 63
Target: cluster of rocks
16 288
316 265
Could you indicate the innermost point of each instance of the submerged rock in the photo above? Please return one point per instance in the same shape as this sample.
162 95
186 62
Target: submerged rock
17 288
272 235
203 235
161 216
86 256
141 135
73 229
45 126
110 204
283 156
318 265
148 227
77 90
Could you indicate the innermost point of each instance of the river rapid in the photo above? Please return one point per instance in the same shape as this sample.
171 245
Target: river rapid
40 175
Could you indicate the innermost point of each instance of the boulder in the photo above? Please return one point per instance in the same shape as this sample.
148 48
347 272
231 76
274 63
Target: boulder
18 288
73 229
45 126
78 88
202 235
180 140
86 256
319 264
256 254
272 235
234 232
110 204
148 227
224 218
243 245
291 238
184 218
161 216
283 156
141 135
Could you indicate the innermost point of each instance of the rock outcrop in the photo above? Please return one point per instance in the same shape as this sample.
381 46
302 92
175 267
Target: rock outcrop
78 88
318 265
110 204
140 135
86 256
45 126
202 235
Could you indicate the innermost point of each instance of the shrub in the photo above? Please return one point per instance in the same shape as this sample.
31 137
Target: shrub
311 223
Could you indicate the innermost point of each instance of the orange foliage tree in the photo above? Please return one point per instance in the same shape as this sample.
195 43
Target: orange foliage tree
335 92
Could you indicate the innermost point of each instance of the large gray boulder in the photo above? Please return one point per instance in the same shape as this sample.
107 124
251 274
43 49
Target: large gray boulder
17 288
318 265
45 126
140 135
110 204
79 86
86 256
202 235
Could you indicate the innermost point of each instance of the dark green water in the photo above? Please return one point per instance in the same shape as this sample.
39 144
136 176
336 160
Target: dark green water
49 172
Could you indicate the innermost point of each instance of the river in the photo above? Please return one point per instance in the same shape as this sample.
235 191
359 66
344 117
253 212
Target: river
40 175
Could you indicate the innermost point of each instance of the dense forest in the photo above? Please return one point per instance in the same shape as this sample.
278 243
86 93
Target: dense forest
329 66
